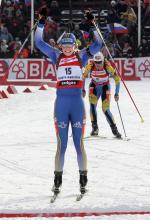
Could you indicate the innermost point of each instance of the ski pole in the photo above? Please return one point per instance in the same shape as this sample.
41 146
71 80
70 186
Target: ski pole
100 34
59 39
18 52
121 119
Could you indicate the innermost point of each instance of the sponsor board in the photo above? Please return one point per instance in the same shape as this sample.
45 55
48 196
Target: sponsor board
28 70
143 67
126 68
38 71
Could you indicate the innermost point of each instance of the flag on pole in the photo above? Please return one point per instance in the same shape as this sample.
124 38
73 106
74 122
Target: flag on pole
117 28
28 2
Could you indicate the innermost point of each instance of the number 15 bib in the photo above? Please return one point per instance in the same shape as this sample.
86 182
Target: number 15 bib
69 72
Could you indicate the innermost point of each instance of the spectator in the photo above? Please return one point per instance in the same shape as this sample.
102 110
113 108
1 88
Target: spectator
52 42
127 50
15 21
50 29
121 7
143 49
55 12
112 14
24 53
132 3
5 35
129 19
8 10
111 48
4 47
36 53
23 33
146 16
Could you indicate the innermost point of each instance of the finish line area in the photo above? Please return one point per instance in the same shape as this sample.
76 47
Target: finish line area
70 215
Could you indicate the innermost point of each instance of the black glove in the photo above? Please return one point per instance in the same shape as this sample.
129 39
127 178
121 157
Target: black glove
89 20
89 16
42 15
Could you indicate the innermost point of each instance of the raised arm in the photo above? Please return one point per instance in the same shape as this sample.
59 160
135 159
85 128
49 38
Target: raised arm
96 46
87 53
44 47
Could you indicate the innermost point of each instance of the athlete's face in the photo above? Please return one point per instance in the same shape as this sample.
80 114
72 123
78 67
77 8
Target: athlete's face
99 64
68 49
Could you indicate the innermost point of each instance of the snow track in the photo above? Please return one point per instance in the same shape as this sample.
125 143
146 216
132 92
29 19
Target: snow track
118 171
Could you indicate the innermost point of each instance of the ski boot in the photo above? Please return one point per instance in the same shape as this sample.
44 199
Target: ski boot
83 181
95 129
115 131
57 182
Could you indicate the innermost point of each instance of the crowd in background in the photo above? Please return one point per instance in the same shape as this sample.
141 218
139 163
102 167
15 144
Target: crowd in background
15 25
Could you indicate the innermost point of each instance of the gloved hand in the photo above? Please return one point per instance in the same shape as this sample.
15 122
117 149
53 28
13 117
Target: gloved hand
93 99
83 93
42 15
85 75
88 23
116 97
89 16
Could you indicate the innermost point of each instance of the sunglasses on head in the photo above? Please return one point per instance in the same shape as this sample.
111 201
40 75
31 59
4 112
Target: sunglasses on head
67 45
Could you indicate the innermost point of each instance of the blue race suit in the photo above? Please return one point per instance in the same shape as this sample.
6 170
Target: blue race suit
69 106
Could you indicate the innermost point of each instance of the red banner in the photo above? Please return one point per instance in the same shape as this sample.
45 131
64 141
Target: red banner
28 71
126 68
40 71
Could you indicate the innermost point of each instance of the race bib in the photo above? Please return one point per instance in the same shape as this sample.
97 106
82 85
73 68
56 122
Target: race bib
69 73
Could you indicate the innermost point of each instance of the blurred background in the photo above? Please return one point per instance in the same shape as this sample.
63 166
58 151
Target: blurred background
125 25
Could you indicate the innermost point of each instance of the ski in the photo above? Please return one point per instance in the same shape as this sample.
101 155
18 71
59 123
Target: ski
56 191
104 137
94 137
83 191
80 196
54 197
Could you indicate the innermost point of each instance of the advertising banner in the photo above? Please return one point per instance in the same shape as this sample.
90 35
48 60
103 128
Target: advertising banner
28 71
40 71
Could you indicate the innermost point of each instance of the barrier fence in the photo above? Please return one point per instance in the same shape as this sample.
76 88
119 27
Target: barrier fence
39 71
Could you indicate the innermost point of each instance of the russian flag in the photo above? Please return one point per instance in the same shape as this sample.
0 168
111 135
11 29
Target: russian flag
118 29
28 2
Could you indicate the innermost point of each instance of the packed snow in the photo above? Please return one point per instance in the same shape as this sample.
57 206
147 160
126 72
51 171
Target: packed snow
118 170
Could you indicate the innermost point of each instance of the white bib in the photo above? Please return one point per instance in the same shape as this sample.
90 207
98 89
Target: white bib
69 73
100 80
